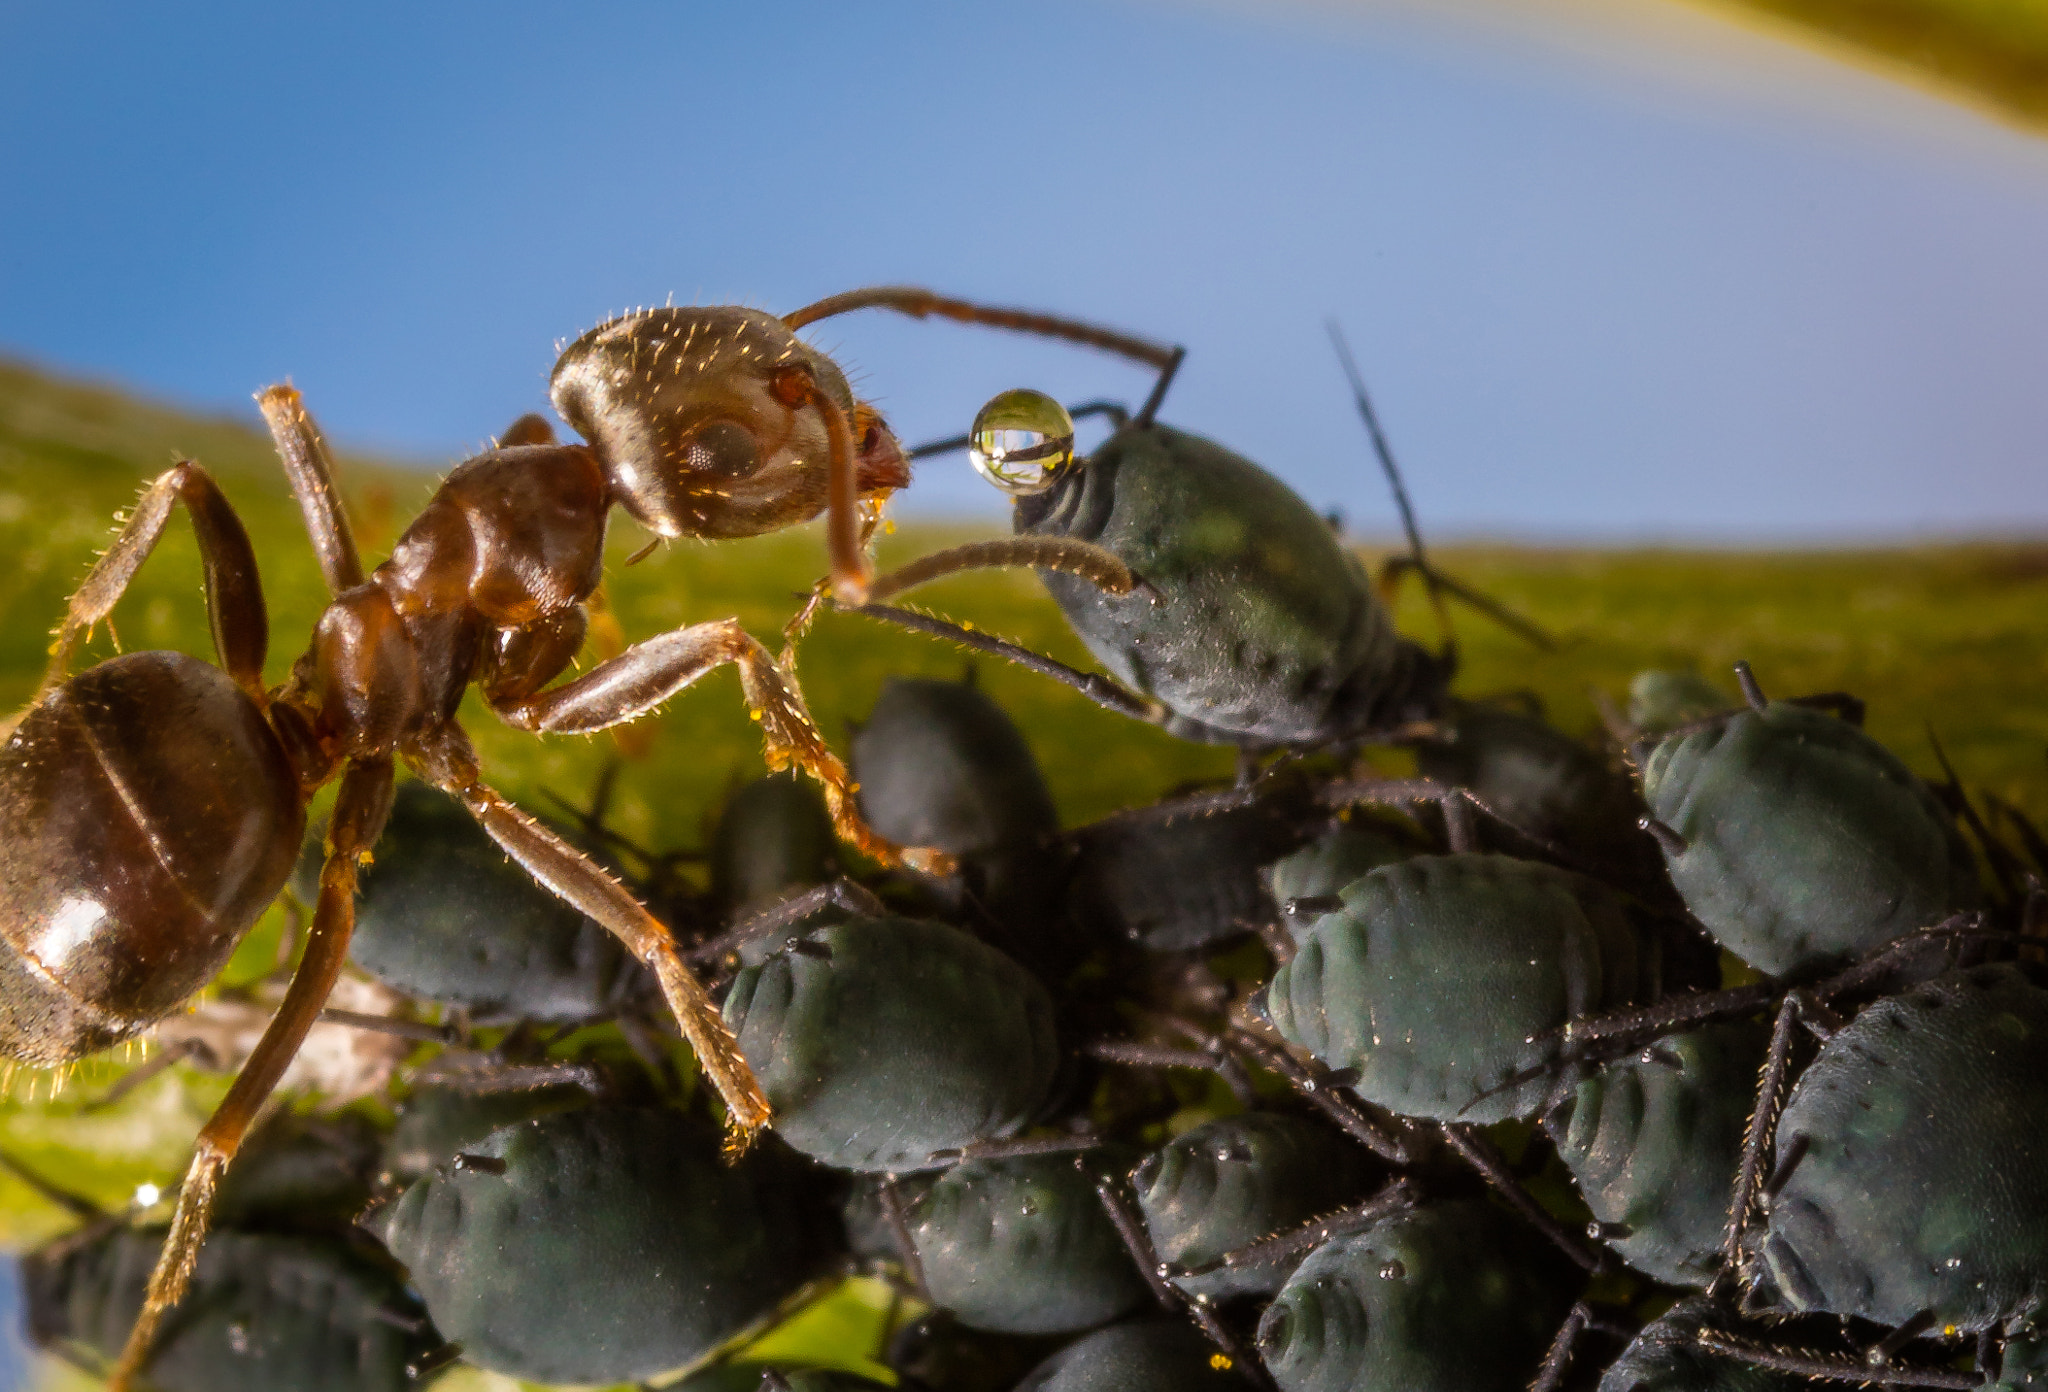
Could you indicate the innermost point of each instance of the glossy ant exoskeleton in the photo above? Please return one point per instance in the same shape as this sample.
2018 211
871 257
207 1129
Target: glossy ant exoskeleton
152 806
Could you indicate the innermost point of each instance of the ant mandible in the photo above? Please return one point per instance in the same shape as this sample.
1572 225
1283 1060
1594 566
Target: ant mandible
152 806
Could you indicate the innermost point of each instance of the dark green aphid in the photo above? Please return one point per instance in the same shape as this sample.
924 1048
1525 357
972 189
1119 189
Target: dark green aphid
1666 1357
1660 701
1799 841
1654 1140
601 1245
1183 874
442 915
265 1311
1347 851
298 1173
1455 1297
1545 783
1912 1153
774 839
940 764
1227 1183
1260 628
1139 1356
2024 1367
436 1123
1022 1246
882 1040
1442 978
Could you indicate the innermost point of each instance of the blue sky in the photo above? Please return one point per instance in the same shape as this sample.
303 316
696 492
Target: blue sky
1590 303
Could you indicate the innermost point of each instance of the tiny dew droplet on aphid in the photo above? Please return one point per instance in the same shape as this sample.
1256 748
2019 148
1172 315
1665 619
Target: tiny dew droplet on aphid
1020 440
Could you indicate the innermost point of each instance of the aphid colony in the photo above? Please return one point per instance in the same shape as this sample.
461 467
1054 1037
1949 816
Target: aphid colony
1326 1080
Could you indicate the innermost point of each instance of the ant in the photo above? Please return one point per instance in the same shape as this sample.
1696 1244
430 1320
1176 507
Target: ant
152 806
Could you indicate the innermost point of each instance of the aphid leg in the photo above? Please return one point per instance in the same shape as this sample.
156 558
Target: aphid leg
1385 1136
1551 1375
309 464
898 1219
841 893
1832 1369
1096 687
1475 1150
77 1205
1136 1054
1131 1228
359 812
234 591
650 672
1756 1139
386 1024
450 764
1064 554
1394 1197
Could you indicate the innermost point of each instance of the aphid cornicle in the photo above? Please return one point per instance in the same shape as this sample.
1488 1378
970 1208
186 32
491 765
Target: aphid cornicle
151 807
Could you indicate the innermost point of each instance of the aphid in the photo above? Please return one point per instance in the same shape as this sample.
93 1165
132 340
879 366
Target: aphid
1661 701
1905 1185
150 807
1545 783
1257 626
601 1245
1021 1245
1797 840
1666 1357
1444 981
774 839
940 764
443 916
880 1041
1654 1140
1136 1356
1223 1184
1184 873
1453 1297
264 1311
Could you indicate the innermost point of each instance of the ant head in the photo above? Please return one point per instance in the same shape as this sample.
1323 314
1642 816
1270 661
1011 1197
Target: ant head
716 422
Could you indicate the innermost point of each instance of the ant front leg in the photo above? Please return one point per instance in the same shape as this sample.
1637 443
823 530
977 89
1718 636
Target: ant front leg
234 591
447 760
359 812
648 673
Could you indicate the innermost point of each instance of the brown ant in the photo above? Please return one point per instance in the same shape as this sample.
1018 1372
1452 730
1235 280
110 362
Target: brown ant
152 806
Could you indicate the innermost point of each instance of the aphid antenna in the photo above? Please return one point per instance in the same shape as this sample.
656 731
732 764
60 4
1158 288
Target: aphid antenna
1807 1363
2003 863
1435 581
839 893
1098 688
1396 1196
1476 1151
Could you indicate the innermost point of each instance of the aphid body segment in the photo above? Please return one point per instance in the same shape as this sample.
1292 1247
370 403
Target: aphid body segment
442 915
264 1311
1925 1146
1653 1140
1260 628
1226 1183
1443 977
1454 1297
882 1040
601 1245
1805 841
1666 1357
1022 1246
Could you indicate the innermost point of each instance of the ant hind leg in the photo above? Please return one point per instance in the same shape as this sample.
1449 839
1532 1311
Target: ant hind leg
359 812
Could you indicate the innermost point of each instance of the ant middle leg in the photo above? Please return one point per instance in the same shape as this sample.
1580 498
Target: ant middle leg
359 812
234 590
309 464
447 760
648 673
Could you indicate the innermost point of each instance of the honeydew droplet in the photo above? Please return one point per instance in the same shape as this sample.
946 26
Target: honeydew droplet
1021 440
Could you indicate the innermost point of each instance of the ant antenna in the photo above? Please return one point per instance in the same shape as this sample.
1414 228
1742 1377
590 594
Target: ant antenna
1437 583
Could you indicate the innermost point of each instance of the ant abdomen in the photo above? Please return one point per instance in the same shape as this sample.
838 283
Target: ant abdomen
148 816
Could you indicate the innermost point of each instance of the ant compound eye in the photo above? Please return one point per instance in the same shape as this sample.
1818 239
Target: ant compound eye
725 449
1021 440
